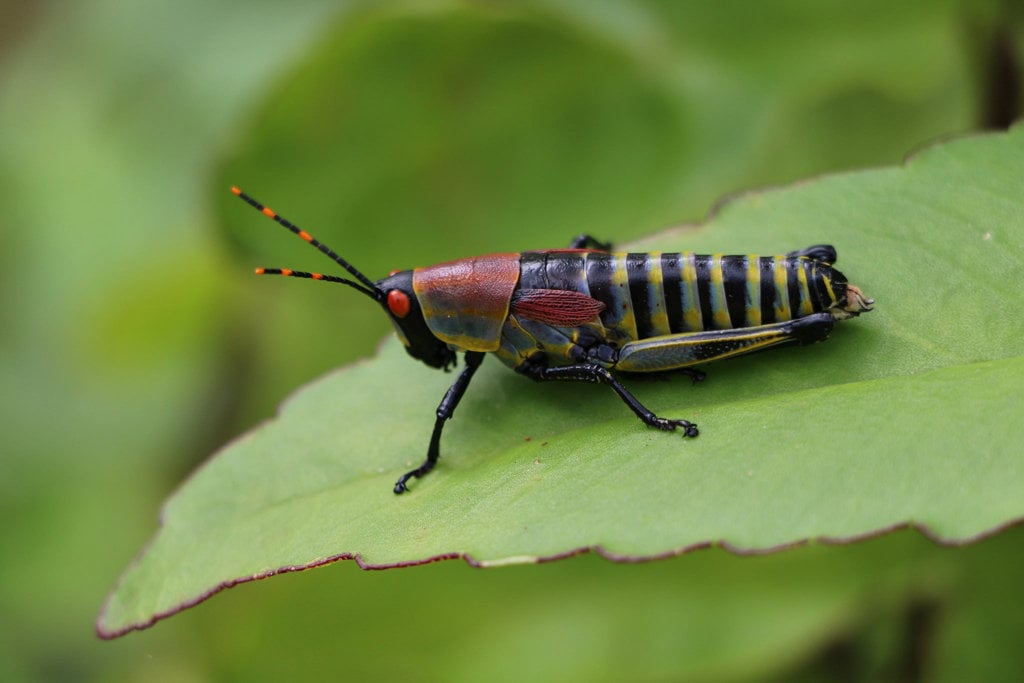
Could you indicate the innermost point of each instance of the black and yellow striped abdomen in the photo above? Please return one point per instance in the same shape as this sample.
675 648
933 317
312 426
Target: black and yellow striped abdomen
655 294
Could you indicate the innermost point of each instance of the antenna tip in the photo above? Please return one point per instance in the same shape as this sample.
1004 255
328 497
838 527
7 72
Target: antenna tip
260 271
235 191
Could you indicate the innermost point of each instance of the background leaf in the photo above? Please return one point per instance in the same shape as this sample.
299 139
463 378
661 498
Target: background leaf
906 417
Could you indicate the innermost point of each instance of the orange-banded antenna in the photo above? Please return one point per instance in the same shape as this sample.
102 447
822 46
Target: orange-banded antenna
288 272
365 284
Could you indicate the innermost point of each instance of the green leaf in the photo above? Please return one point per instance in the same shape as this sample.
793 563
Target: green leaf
907 416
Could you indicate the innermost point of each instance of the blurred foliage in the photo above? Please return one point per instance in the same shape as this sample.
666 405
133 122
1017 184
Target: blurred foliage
133 340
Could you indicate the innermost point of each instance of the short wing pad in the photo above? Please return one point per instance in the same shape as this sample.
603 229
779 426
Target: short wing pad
556 306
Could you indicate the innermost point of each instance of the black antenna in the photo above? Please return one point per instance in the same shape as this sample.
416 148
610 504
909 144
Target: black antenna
370 289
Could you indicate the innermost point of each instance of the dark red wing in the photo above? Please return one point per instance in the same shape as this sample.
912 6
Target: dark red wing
556 306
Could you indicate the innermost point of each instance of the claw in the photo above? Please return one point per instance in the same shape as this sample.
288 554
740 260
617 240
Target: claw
689 429
400 486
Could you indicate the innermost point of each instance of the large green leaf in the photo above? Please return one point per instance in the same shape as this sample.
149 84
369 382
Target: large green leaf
909 415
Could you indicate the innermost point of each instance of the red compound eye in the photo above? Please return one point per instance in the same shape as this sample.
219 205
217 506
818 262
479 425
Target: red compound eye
398 303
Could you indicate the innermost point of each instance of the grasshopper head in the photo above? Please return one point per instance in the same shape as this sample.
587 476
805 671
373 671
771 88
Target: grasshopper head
400 302
394 293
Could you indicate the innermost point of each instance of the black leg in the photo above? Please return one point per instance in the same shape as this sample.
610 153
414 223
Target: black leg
694 374
590 372
588 242
445 410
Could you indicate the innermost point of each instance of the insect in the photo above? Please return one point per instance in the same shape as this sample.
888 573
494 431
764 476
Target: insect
580 313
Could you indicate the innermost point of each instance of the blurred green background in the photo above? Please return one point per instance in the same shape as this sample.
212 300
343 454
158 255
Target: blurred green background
134 340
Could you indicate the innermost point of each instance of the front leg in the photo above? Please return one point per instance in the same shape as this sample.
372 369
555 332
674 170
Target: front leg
445 410
591 372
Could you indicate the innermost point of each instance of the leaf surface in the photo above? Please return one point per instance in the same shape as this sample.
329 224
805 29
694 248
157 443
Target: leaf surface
910 415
